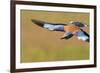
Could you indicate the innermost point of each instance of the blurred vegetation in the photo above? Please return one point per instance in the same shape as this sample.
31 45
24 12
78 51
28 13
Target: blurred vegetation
39 45
42 55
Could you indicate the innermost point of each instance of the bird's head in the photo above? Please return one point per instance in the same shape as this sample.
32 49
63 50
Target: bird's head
79 24
71 22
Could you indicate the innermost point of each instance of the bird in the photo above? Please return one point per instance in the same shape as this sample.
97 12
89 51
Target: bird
72 28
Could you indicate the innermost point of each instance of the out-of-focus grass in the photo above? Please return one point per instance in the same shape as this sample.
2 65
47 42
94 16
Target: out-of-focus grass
68 53
39 45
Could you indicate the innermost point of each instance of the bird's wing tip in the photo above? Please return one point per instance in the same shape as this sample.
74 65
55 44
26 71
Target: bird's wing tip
33 20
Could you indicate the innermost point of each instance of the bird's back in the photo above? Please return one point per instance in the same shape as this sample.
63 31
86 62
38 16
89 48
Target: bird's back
71 28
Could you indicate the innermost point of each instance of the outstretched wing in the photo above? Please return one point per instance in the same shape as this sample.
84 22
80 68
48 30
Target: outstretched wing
67 35
86 35
38 22
82 35
49 26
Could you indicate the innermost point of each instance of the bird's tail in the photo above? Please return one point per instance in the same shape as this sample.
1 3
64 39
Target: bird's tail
38 22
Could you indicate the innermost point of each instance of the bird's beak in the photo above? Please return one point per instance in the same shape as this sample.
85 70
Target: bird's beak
86 25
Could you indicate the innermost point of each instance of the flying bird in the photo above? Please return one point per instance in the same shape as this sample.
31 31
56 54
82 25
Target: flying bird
70 29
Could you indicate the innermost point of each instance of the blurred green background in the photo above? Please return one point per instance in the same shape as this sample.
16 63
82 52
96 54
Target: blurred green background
41 45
